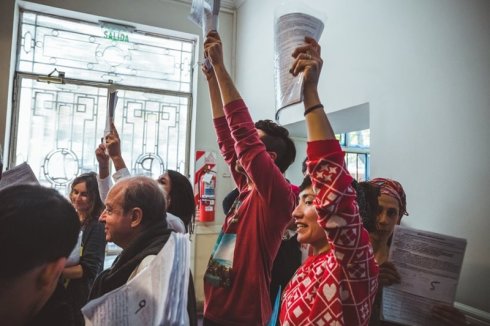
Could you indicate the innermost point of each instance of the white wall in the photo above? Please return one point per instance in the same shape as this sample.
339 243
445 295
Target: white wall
153 13
423 66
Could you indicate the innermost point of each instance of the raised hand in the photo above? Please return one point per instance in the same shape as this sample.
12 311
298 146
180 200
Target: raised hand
213 49
308 61
388 275
101 155
103 159
113 143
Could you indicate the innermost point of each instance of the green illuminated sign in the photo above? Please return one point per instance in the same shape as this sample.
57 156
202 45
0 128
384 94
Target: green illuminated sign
115 35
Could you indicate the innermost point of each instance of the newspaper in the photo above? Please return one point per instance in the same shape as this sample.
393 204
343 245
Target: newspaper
155 296
21 174
111 107
429 265
204 13
289 33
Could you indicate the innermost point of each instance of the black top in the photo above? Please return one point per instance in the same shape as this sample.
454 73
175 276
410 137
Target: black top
287 261
92 262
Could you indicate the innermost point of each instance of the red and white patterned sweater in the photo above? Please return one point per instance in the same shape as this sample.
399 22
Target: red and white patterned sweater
337 287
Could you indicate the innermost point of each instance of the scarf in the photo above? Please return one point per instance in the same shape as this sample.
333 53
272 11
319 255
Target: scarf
150 242
393 189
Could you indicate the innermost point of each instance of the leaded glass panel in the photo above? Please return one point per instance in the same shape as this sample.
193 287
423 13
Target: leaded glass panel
89 51
58 126
62 125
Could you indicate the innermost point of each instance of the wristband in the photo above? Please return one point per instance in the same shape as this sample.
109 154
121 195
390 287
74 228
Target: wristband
314 107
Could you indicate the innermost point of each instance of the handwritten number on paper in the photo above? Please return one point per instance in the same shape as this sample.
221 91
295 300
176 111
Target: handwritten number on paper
141 305
433 285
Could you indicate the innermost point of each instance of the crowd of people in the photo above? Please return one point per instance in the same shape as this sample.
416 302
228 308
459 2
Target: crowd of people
345 226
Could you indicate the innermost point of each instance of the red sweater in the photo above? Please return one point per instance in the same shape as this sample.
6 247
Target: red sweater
337 287
236 283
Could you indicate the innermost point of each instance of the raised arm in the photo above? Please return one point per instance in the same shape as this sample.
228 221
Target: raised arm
250 150
335 201
326 166
113 144
225 141
213 50
214 92
308 61
103 160
103 179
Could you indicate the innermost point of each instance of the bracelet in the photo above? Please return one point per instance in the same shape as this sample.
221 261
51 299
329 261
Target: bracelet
314 107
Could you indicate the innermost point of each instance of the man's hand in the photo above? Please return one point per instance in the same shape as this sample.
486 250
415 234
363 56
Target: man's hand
213 49
388 275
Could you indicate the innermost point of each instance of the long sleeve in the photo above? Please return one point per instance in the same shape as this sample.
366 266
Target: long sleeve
256 161
338 214
93 254
227 148
104 185
121 174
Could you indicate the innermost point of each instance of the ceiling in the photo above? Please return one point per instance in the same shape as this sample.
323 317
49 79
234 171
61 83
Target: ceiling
225 4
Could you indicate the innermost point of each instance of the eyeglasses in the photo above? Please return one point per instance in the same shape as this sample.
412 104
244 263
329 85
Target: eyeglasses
109 211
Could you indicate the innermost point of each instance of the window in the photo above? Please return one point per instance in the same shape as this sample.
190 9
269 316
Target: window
357 158
58 125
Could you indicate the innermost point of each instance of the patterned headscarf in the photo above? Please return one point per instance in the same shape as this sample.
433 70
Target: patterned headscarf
393 189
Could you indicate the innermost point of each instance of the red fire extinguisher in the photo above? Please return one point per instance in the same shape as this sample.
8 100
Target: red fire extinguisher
207 197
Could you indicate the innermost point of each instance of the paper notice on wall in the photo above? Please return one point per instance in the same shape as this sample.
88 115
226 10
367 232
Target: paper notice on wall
289 33
429 265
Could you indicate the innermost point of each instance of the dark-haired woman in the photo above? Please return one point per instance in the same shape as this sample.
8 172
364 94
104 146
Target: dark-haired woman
338 283
78 279
179 197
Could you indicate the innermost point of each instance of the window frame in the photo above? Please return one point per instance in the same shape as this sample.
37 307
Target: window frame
19 76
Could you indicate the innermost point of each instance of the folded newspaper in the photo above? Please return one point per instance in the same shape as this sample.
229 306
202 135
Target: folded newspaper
21 174
204 13
289 32
156 296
